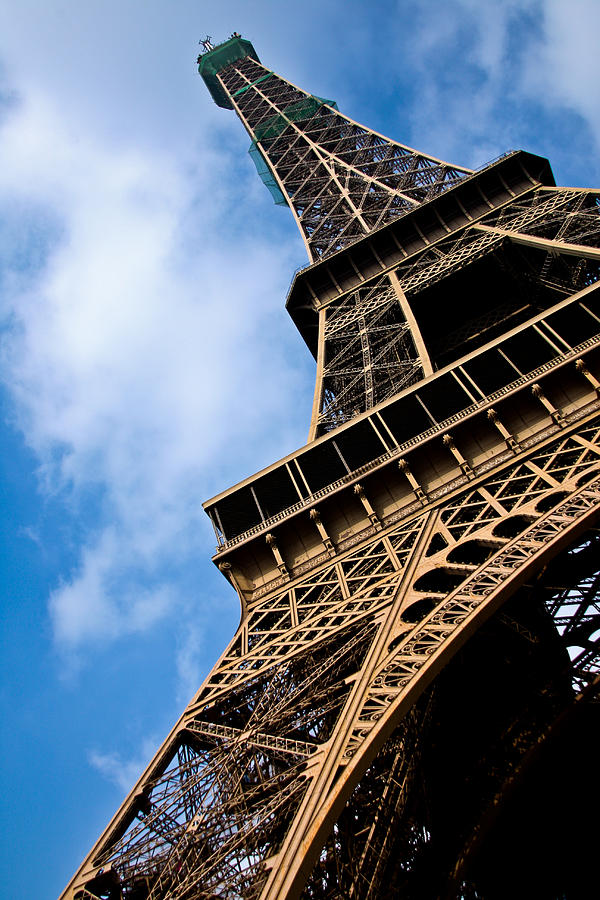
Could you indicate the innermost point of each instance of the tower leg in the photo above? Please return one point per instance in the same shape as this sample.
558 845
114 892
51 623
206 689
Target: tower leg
308 760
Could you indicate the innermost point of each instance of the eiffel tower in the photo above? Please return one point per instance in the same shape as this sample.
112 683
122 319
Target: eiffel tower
407 708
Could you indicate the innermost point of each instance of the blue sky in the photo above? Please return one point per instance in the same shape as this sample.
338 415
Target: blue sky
146 360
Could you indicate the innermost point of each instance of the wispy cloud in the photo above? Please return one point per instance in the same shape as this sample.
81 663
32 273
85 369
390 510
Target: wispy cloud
123 772
136 370
188 662
106 598
484 73
563 67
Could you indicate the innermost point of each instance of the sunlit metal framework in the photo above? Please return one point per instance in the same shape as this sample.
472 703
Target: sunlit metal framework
407 706
340 179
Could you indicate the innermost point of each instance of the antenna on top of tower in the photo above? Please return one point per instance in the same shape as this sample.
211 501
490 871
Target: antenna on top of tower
207 43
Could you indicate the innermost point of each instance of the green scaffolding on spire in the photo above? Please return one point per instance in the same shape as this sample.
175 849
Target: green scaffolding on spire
209 64
272 128
295 112
266 175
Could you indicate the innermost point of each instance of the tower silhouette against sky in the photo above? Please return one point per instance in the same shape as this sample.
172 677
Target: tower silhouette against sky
409 703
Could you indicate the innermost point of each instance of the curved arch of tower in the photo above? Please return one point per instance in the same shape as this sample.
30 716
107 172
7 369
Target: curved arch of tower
408 705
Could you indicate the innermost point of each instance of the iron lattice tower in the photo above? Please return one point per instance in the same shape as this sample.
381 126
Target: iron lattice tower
406 707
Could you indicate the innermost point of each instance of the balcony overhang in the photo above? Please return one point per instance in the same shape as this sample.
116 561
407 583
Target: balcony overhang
467 202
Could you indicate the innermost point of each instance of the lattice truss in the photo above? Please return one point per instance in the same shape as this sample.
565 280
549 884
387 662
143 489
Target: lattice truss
341 179
563 215
369 353
323 670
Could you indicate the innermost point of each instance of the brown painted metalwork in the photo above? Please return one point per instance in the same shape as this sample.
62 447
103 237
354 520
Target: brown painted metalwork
417 658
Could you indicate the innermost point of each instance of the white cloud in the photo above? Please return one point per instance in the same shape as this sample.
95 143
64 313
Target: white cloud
487 70
104 599
564 66
459 50
138 356
188 662
123 772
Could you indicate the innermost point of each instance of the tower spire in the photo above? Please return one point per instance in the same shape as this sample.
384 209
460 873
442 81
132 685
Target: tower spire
340 179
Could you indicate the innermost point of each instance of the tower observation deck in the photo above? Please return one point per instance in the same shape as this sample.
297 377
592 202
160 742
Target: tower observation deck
407 708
